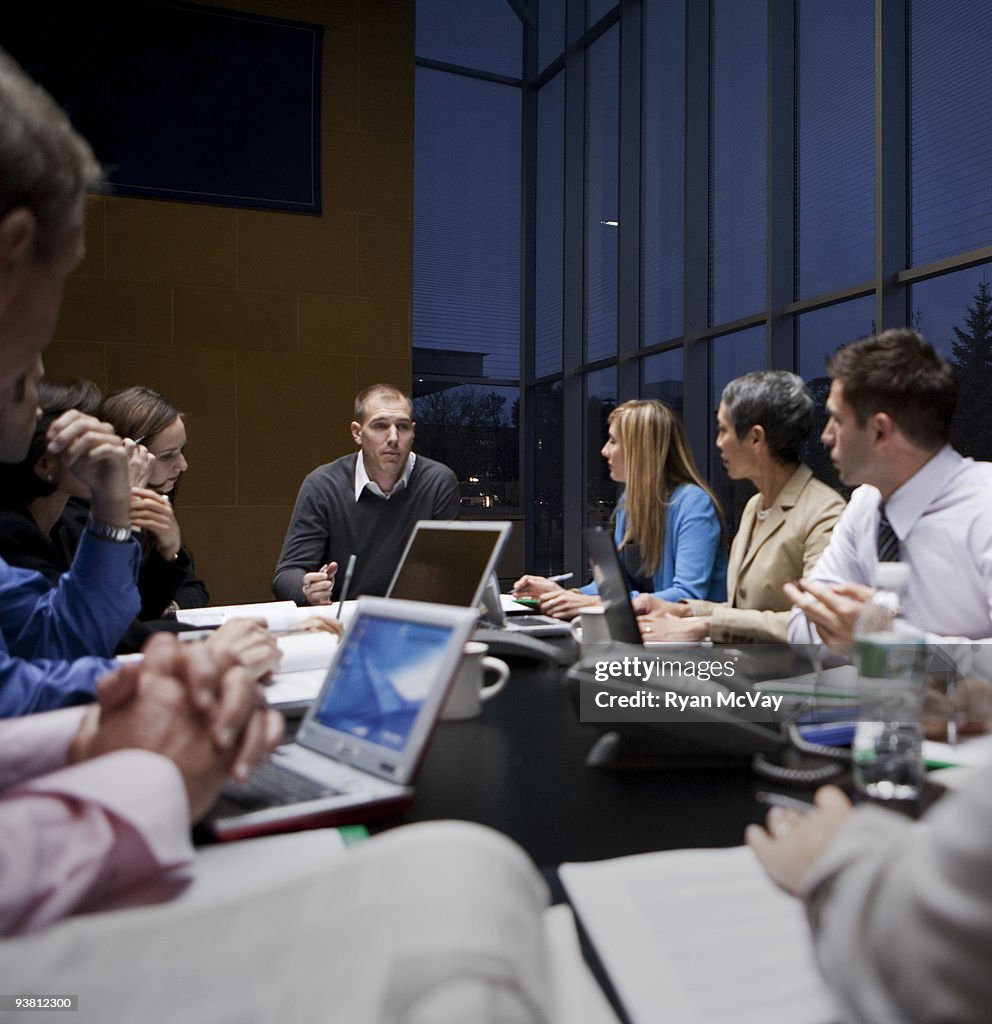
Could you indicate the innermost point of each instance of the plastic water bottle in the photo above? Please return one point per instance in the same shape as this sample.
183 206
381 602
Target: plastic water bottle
888 740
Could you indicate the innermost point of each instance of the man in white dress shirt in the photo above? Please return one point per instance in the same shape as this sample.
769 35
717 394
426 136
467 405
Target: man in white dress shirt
890 408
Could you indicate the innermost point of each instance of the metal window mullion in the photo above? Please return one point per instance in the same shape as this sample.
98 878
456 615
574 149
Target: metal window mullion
573 264
696 287
782 187
891 163
629 178
527 450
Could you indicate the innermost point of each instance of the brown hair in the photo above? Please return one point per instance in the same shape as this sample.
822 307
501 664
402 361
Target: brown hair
19 483
138 413
900 374
386 390
657 459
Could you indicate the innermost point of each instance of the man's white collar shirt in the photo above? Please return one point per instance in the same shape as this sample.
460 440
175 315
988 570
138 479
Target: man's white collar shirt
363 480
942 516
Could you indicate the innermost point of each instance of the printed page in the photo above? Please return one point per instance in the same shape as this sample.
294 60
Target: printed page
693 936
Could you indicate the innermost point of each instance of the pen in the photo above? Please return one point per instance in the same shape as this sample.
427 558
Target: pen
563 577
347 583
781 800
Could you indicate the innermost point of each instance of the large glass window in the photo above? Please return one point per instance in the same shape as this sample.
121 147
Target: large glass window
836 72
549 454
602 224
661 378
823 331
732 356
601 491
597 8
663 177
483 34
951 154
473 430
550 227
466 276
466 273
954 312
739 85
820 333
550 31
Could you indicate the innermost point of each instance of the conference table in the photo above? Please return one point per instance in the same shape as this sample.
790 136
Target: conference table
520 769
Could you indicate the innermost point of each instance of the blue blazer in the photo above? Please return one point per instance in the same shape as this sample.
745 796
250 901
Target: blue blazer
694 560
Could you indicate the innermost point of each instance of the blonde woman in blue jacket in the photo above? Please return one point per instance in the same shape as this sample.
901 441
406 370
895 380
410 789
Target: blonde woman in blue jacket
668 528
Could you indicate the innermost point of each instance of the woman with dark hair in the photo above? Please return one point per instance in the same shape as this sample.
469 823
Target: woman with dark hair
762 422
167 581
34 534
668 528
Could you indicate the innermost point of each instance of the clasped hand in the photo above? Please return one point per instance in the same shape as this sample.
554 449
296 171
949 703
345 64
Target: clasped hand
201 705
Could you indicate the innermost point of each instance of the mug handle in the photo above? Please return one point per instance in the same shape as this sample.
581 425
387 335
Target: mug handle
502 671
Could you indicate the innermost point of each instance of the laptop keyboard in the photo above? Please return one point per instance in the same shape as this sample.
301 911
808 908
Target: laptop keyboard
271 785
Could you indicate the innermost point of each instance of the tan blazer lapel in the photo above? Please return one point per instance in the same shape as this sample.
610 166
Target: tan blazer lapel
786 500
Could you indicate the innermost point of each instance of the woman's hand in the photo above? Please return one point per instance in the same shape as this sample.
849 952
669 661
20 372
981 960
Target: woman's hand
648 604
535 586
566 604
139 463
153 512
662 626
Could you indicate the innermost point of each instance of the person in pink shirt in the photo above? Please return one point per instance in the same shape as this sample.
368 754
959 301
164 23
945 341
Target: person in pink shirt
95 800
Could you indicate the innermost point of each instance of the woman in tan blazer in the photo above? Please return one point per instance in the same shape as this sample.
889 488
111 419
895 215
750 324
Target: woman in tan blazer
762 422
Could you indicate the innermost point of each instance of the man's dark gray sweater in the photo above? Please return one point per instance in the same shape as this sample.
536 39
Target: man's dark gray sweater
328 525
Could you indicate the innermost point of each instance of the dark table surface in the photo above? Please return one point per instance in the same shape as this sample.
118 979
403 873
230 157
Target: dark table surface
520 768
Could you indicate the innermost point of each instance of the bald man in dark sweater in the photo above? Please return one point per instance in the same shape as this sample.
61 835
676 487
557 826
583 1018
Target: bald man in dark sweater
364 505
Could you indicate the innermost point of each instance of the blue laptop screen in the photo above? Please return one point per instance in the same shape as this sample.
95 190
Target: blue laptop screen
386 670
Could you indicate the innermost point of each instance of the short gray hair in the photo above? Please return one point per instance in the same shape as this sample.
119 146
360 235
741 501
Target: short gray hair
45 165
775 400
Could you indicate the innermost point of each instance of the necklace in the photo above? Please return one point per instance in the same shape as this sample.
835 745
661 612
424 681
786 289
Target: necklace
763 514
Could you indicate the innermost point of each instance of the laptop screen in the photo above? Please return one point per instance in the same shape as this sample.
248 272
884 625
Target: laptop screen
448 563
608 574
385 670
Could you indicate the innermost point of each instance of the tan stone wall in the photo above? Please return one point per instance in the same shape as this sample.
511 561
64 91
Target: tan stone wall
262 326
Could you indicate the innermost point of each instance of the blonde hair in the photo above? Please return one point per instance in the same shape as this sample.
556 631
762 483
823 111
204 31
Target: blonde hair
657 459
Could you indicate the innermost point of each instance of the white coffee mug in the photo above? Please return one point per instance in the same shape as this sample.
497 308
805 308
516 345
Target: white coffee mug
590 626
470 689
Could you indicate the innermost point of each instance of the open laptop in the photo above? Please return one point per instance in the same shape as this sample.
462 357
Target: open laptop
528 623
621 621
363 737
448 562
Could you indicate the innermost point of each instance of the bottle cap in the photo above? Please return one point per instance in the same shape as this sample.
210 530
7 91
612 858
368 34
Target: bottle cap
891 575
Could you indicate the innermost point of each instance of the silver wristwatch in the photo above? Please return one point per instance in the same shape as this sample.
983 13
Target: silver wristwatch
104 531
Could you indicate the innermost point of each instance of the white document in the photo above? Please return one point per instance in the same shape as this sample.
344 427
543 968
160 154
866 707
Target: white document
306 658
694 936
276 614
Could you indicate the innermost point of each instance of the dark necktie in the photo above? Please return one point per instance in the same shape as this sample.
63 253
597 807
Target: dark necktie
888 542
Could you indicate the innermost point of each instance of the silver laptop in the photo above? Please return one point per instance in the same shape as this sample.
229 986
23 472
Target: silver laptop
621 621
449 562
528 623
363 737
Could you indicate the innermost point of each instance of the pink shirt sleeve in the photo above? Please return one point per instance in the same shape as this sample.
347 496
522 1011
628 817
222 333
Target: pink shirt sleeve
34 744
82 835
